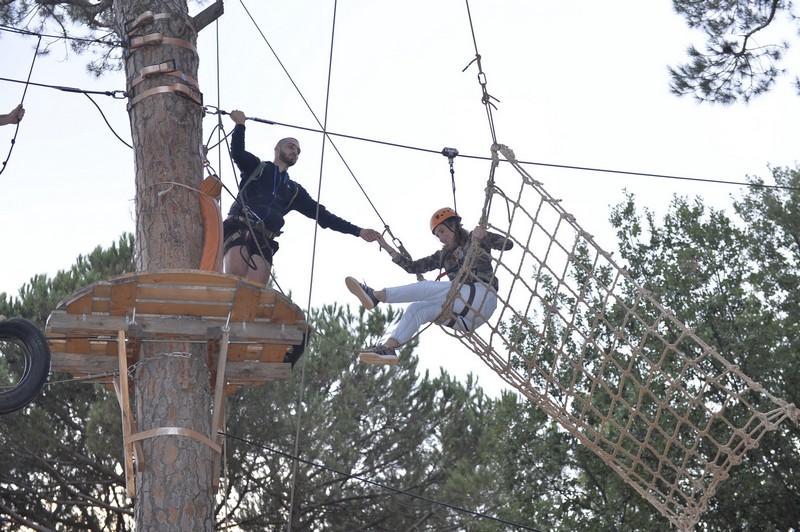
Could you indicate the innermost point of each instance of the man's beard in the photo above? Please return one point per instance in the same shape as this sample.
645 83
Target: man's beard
287 159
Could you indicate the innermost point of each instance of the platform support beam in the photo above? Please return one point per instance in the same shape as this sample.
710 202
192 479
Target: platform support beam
123 396
218 413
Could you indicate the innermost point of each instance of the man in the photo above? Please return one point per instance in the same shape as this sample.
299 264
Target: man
266 195
13 117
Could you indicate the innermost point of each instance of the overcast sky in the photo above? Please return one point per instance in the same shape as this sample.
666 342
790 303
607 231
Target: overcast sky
578 83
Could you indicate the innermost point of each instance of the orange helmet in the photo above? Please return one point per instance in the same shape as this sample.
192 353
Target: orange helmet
443 214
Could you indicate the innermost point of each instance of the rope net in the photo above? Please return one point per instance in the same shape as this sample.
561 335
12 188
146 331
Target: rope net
574 333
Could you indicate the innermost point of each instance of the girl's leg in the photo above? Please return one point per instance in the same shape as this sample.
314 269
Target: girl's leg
480 310
415 316
434 291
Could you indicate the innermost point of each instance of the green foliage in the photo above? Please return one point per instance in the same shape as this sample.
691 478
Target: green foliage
732 280
411 432
41 295
429 436
60 463
94 24
735 64
734 284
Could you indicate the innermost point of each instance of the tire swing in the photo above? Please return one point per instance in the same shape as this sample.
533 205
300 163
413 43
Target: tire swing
32 344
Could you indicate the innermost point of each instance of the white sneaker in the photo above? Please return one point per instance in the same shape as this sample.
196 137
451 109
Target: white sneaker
364 293
378 355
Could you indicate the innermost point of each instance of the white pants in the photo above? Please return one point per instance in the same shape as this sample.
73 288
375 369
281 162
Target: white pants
427 300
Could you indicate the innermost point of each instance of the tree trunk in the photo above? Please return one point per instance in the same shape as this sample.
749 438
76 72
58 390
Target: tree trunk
171 384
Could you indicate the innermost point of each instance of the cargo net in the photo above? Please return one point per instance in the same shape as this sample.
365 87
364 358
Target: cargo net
581 339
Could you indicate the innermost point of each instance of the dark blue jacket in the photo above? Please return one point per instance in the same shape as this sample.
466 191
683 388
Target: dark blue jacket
272 194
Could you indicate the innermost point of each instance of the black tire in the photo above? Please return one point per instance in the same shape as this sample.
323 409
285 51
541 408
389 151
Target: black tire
37 363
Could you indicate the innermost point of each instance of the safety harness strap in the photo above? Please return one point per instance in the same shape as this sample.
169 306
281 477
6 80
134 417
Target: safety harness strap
454 317
158 38
179 89
167 67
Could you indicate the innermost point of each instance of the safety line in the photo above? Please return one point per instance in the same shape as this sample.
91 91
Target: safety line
486 99
22 100
119 94
107 122
301 390
524 163
377 484
358 183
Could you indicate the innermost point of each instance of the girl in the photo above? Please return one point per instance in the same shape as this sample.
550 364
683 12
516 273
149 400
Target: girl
427 298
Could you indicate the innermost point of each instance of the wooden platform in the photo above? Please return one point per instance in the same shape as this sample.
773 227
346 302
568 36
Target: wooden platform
266 330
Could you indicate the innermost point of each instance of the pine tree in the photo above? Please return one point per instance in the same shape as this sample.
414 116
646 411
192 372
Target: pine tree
421 438
174 485
739 61
734 284
424 435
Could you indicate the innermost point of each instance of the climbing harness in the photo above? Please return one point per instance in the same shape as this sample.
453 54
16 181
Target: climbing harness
451 318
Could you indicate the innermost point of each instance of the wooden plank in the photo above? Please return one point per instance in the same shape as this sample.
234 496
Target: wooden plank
127 415
266 304
95 347
83 364
286 312
244 303
208 15
102 347
123 298
178 308
80 305
101 297
102 328
73 296
272 353
241 373
101 290
258 352
60 323
187 278
175 304
237 352
77 345
236 372
218 411
185 293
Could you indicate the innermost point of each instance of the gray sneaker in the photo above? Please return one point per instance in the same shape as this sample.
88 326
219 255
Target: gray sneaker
378 355
364 293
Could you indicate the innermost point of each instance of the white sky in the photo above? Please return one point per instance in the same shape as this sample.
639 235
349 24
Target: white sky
579 83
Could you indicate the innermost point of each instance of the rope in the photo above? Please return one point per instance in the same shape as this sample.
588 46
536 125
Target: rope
575 334
301 389
117 95
324 131
22 100
486 98
219 128
216 110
